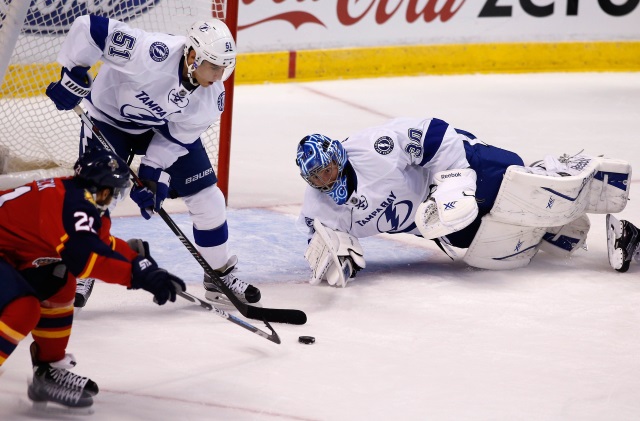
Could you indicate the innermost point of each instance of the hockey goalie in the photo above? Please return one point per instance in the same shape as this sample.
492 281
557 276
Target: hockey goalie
427 178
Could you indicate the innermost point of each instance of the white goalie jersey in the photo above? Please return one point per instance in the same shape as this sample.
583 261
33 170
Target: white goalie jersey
394 164
139 84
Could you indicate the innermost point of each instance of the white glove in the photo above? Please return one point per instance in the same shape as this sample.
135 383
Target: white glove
333 256
451 205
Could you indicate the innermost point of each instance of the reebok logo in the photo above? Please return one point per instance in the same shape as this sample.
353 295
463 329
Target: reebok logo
443 176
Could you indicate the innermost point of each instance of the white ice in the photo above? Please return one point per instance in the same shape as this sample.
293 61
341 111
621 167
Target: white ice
415 336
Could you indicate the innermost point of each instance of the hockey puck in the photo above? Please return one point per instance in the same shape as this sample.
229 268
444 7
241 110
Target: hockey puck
307 340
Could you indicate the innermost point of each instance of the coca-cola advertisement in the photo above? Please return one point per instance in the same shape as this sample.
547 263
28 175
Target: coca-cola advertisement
272 25
280 25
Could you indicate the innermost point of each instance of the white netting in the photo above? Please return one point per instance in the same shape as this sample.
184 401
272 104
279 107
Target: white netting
33 132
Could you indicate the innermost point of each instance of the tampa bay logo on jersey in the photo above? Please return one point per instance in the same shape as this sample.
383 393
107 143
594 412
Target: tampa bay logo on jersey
384 145
159 51
390 215
394 216
146 111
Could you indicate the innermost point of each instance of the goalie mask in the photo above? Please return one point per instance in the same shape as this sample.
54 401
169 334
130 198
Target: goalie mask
212 41
97 169
322 162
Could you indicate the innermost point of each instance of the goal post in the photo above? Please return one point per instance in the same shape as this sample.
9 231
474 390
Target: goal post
34 135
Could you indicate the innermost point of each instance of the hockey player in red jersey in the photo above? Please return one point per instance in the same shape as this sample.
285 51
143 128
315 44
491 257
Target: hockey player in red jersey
52 231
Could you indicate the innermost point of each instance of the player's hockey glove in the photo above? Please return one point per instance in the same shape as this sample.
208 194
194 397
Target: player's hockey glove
73 85
146 274
156 188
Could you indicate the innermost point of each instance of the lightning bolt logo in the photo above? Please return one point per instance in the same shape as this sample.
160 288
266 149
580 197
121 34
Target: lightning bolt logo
394 216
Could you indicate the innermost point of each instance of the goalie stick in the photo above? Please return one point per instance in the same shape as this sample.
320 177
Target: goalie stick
276 315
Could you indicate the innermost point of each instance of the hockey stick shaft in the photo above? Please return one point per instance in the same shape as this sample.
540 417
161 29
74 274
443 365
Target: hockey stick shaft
291 316
273 336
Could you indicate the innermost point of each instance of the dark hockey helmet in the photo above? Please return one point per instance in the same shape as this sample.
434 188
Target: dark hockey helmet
322 161
98 168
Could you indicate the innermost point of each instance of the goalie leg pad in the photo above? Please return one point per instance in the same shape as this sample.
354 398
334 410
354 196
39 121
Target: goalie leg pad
609 190
501 246
544 197
565 240
333 256
537 200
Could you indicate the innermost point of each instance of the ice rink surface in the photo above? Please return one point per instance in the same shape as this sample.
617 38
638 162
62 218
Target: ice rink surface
415 336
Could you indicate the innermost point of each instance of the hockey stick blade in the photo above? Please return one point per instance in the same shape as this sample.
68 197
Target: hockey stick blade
275 315
273 337
291 316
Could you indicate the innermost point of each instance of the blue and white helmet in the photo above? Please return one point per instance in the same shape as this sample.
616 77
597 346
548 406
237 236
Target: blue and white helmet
316 153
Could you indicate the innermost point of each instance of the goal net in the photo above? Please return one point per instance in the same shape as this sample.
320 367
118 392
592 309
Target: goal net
34 135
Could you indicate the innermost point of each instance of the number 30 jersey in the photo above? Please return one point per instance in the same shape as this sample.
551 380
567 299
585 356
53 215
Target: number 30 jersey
54 220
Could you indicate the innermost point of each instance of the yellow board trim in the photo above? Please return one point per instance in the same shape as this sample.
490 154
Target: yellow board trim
408 60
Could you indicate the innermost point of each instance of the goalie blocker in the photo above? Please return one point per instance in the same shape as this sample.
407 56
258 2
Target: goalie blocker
333 256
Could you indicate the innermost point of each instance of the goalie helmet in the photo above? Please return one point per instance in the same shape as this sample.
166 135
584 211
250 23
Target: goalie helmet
212 41
322 162
98 168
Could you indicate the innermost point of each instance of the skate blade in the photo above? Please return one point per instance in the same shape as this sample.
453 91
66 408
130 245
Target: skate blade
49 409
221 300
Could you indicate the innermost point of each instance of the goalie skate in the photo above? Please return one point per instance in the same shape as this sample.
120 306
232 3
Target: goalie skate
245 292
623 242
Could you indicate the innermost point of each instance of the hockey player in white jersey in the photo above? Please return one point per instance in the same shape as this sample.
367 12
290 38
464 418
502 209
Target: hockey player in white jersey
427 178
154 96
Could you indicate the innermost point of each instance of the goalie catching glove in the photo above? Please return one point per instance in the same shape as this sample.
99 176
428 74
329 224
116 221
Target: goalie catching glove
333 256
451 205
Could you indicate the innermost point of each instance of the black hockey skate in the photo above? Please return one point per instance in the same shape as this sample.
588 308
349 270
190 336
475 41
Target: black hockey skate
623 242
84 287
53 383
245 292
